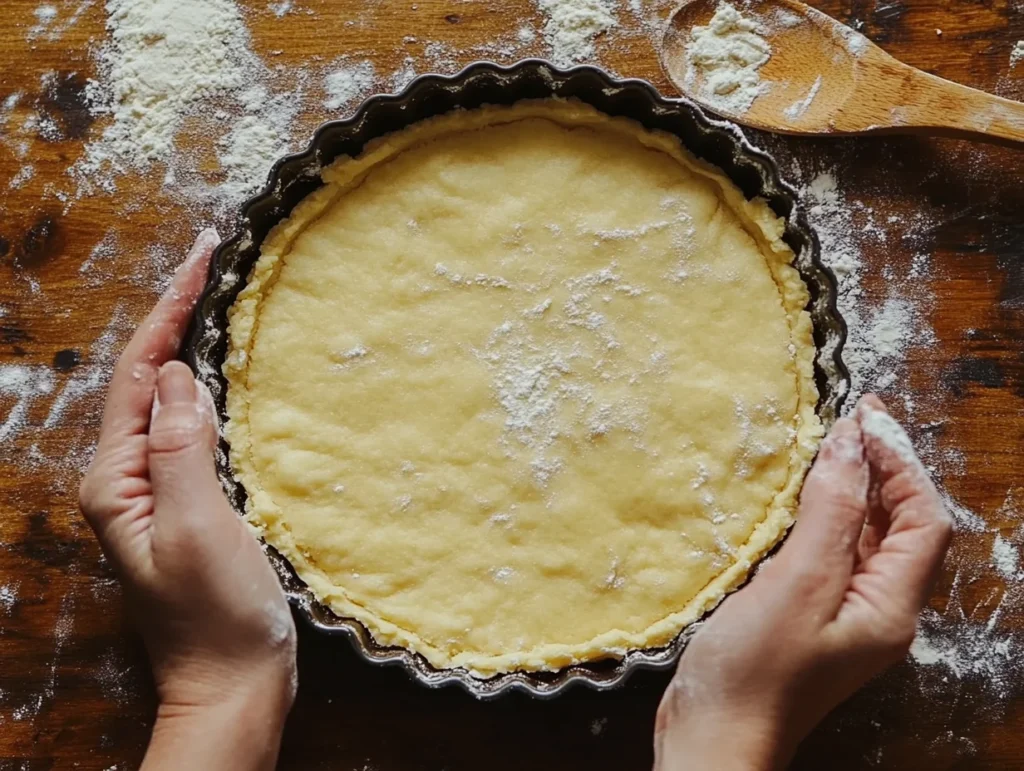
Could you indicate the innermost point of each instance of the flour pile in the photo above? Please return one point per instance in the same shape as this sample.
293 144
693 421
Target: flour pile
166 61
572 26
727 55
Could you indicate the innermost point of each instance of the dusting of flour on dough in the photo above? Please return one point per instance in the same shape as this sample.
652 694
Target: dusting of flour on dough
541 388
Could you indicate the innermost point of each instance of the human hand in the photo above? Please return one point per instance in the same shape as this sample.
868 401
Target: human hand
837 605
210 609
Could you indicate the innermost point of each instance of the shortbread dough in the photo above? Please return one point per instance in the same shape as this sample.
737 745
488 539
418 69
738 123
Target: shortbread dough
523 386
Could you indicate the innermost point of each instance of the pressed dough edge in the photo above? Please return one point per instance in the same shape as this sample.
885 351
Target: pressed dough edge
347 172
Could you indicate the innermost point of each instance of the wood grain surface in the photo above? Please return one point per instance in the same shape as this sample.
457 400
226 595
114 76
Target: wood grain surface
74 686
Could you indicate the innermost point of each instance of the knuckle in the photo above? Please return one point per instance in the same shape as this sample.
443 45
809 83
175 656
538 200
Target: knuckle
670 707
806 577
87 494
176 430
123 367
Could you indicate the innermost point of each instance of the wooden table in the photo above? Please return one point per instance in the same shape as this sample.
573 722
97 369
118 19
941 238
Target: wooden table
74 687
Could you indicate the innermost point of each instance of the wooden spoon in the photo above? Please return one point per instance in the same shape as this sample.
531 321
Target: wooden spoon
825 78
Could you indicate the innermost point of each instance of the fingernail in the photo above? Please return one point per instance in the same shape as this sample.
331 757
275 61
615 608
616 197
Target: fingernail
844 442
205 243
880 426
175 384
870 401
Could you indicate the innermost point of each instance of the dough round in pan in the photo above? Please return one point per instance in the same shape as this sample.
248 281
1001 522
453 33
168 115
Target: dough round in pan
523 386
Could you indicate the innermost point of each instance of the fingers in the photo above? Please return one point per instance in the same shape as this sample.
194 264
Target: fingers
918 530
157 340
181 441
822 549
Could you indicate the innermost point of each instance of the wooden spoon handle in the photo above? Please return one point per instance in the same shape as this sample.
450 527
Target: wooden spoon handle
951 109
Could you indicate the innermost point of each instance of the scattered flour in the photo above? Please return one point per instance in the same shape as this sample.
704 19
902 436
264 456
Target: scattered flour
45 15
24 384
253 144
968 650
727 55
94 377
404 75
114 677
281 8
797 109
1017 54
879 334
96 266
964 520
166 61
8 597
785 19
343 85
856 43
52 22
1005 557
572 26
23 175
503 574
162 58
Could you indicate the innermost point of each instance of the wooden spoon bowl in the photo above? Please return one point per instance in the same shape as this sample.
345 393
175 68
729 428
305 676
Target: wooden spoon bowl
825 78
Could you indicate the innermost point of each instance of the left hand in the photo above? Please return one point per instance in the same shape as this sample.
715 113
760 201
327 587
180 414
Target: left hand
210 609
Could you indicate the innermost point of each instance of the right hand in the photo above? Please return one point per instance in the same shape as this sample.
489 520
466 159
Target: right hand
838 604
210 609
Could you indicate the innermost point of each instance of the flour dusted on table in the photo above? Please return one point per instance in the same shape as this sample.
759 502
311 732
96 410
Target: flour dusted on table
572 25
726 55
168 60
1005 557
344 84
880 333
163 58
253 143
968 650
22 384
1017 54
8 597
44 14
281 8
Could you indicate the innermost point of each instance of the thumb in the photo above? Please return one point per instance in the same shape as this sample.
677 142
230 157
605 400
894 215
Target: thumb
182 435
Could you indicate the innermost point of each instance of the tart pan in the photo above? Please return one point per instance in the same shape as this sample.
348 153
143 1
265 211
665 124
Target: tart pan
292 178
